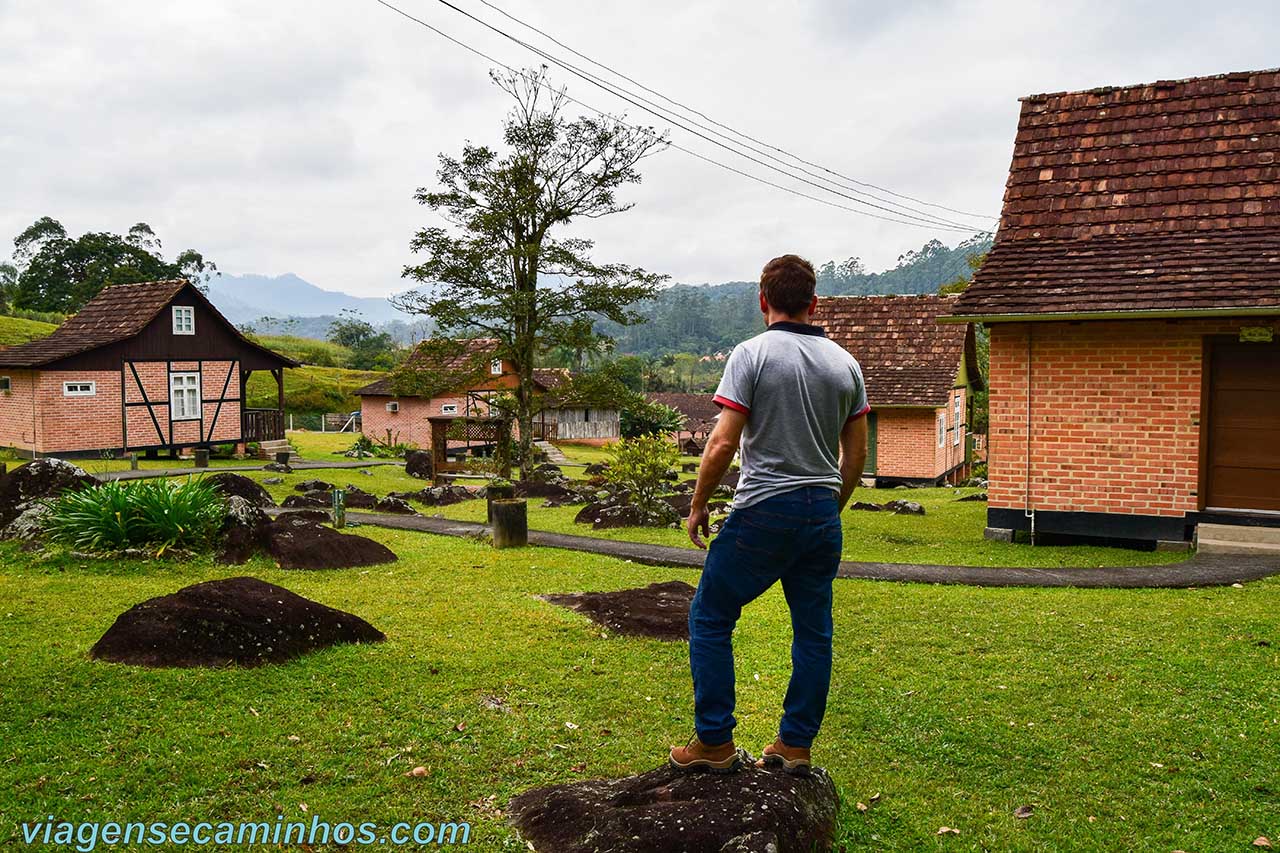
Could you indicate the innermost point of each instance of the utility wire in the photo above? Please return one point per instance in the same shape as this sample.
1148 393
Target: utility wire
690 152
697 112
653 109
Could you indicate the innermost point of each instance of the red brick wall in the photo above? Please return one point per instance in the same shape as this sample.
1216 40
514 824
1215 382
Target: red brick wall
18 422
409 425
77 423
1115 414
907 441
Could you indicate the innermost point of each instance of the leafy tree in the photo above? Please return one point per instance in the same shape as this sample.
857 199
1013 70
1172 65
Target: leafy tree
640 465
505 268
8 284
58 273
370 349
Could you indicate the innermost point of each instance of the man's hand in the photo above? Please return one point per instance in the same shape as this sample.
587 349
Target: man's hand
699 521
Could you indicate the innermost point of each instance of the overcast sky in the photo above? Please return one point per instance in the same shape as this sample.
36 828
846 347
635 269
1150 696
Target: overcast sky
289 136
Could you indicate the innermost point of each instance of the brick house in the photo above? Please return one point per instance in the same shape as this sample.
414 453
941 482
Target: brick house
1132 297
141 367
405 418
920 376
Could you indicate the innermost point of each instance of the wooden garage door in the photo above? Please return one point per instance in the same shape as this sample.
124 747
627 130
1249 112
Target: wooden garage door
1243 469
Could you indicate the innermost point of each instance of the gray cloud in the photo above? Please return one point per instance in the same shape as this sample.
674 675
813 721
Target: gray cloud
289 136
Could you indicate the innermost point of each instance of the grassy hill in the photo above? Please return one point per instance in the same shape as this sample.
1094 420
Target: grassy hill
306 350
15 330
311 389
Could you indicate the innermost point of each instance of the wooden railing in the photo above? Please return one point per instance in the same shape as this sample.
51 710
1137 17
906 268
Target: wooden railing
262 425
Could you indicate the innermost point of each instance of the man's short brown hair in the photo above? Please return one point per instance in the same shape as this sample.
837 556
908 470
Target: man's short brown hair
788 283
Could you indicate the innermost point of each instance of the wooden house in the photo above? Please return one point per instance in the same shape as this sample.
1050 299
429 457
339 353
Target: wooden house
140 367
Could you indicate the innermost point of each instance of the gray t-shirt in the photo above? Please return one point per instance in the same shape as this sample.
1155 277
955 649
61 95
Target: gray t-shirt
798 388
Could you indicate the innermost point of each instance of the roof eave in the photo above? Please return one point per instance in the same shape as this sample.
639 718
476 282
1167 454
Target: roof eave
1148 313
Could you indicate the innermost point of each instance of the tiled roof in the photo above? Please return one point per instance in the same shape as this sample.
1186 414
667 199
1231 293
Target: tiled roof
699 410
423 358
117 313
551 378
1163 196
908 358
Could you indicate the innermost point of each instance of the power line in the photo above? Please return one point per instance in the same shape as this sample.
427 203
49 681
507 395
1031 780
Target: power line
653 109
690 152
732 130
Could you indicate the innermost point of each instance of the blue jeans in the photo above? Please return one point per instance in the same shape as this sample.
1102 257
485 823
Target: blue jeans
794 537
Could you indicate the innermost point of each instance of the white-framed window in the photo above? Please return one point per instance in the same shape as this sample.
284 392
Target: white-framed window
942 428
184 396
79 389
6 384
184 320
449 409
955 439
495 367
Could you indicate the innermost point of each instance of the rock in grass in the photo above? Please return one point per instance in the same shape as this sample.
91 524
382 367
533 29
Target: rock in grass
310 500
230 484
38 479
241 621
977 496
394 506
244 531
752 811
29 525
419 463
357 498
904 508
659 610
299 543
313 486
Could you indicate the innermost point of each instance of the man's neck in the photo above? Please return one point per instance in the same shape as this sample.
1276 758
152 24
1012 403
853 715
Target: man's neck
772 317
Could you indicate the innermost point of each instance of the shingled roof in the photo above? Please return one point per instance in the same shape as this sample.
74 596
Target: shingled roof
1158 197
908 358
117 313
424 357
700 410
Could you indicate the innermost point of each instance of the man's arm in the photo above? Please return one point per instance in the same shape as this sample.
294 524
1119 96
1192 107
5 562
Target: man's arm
853 456
716 458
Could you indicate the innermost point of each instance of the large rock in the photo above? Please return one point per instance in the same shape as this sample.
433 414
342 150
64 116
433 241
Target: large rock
438 495
29 525
240 486
357 498
313 486
630 515
244 531
241 621
904 508
299 543
659 610
752 811
420 463
37 480
547 472
395 506
543 489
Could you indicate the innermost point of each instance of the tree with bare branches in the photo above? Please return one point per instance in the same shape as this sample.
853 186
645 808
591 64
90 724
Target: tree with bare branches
504 269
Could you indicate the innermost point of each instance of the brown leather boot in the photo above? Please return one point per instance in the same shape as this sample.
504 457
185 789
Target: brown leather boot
697 756
792 759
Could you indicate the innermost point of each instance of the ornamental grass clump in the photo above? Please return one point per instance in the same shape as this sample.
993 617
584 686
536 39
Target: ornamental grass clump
155 515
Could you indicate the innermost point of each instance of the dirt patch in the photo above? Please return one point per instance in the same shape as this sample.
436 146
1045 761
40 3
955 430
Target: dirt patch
357 498
752 811
298 543
659 610
239 486
38 479
241 621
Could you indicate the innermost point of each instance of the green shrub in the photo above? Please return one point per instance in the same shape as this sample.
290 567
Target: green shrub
640 416
152 514
640 465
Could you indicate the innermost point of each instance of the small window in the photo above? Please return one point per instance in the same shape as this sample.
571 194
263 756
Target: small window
6 384
955 439
79 389
449 409
184 320
184 396
495 367
942 429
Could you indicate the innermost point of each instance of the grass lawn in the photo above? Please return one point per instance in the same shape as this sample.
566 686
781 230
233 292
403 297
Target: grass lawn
16 330
1130 720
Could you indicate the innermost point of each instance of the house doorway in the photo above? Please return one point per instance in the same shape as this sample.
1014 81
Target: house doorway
1242 453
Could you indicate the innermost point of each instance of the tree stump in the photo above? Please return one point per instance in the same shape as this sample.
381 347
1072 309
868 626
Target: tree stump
497 493
282 458
510 523
202 457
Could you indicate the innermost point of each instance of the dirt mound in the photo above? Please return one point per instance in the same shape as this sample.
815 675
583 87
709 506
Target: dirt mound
357 498
395 506
538 489
244 531
241 621
659 610
683 503
321 515
979 496
240 486
419 463
609 515
38 479
313 486
752 811
437 495
309 500
298 543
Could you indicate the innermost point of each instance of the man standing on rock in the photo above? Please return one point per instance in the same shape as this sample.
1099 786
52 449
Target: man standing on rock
795 403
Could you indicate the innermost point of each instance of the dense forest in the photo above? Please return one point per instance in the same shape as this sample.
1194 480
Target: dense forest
712 318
